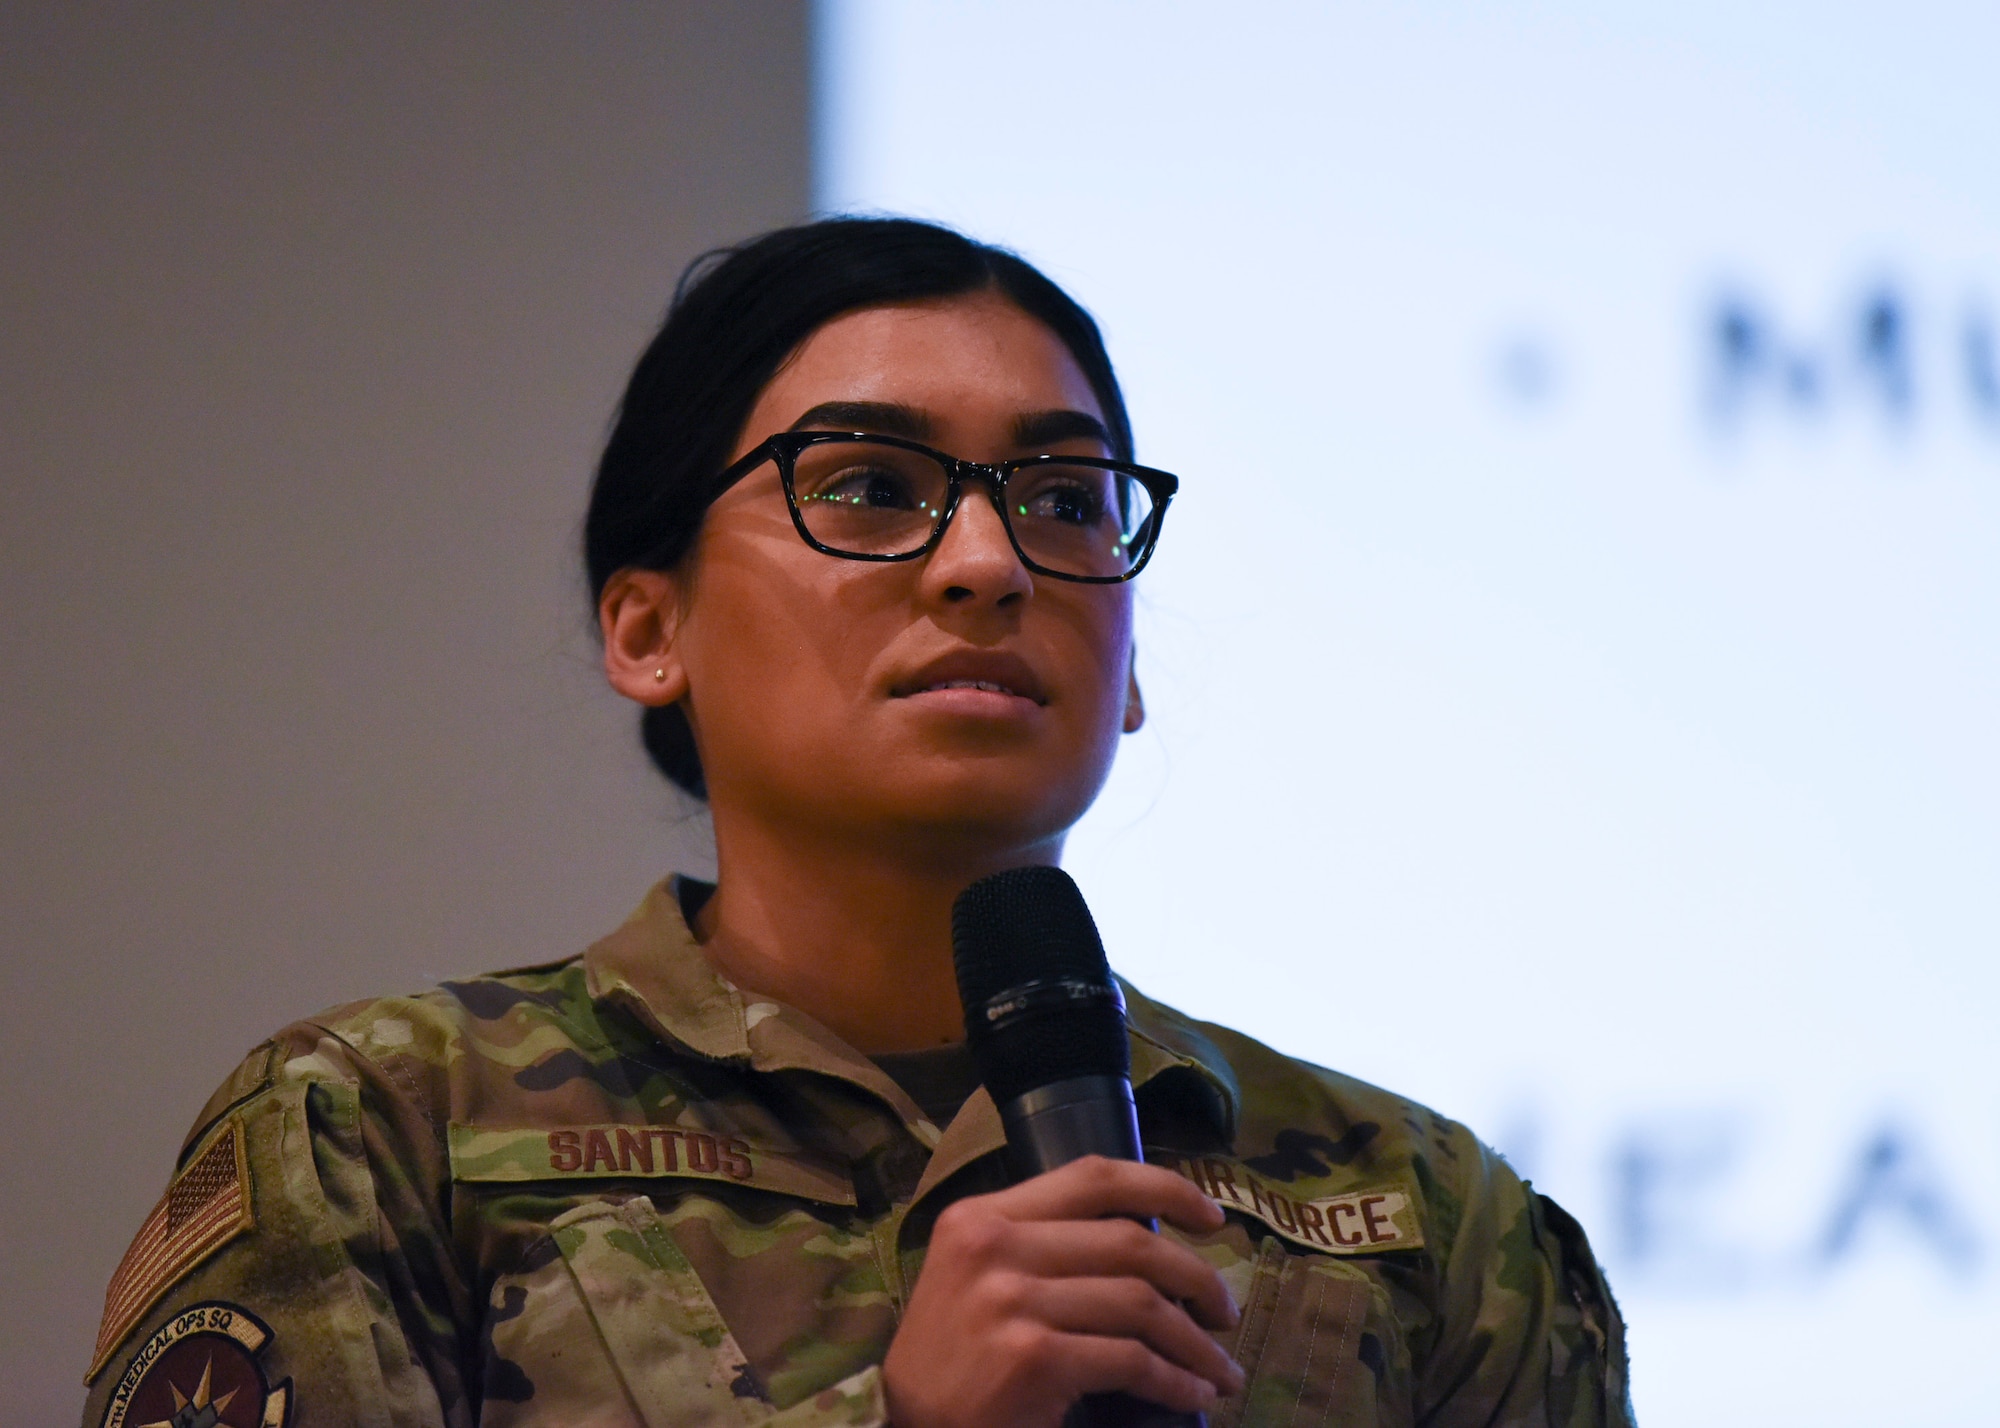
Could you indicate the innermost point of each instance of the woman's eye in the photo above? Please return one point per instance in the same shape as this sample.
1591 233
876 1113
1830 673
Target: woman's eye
869 487
1071 504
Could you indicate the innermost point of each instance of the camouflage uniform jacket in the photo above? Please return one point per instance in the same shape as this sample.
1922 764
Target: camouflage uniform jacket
616 1190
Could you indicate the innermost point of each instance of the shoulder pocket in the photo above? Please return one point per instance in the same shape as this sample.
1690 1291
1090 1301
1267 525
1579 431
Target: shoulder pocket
262 1229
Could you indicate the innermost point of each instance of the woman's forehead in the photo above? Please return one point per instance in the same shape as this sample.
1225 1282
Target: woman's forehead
976 360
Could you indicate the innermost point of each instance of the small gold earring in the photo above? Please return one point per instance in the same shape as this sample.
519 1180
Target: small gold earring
659 676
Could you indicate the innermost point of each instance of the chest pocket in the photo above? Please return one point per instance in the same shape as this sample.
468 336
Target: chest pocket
679 1362
695 1318
1309 1322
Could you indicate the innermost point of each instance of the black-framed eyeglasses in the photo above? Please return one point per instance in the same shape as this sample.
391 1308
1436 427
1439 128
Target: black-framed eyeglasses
864 497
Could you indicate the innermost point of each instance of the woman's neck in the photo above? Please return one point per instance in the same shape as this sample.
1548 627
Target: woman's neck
857 937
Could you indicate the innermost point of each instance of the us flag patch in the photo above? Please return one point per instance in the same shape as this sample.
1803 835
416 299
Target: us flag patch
206 1206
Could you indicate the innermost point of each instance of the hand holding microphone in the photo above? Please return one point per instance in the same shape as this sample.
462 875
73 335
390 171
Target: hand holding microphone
1056 1290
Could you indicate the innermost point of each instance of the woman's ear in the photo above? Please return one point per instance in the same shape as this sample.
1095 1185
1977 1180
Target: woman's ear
1135 703
639 614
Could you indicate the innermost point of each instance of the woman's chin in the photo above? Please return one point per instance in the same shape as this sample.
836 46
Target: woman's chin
966 805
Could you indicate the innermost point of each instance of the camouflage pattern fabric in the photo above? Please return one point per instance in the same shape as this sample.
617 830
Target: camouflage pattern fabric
616 1190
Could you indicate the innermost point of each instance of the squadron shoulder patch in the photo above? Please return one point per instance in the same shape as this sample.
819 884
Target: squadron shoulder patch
206 1206
201 1368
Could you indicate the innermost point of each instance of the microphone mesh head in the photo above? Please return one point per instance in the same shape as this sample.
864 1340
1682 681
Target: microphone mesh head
1016 929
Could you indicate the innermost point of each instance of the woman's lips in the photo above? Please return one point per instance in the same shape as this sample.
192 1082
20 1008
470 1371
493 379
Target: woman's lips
974 697
975 677
982 684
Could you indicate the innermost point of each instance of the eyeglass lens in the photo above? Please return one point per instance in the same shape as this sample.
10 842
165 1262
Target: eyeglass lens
1072 517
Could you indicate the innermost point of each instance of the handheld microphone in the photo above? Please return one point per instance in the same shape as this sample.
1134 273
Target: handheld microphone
1045 1024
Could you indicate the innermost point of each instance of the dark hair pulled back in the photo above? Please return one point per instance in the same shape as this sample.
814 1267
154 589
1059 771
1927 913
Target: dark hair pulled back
737 314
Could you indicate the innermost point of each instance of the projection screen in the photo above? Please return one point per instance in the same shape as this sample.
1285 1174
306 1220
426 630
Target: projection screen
1571 662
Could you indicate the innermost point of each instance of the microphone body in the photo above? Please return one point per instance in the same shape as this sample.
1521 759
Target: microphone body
1045 1024
1067 1120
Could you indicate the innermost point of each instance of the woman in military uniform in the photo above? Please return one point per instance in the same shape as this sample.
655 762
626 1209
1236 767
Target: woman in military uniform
861 544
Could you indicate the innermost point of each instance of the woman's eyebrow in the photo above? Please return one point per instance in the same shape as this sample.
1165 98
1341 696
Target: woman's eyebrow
883 418
1046 428
1030 429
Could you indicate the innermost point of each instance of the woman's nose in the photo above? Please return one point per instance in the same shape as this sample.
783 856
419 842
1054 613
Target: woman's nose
974 559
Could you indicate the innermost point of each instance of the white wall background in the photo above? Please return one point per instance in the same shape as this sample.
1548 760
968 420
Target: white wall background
1554 716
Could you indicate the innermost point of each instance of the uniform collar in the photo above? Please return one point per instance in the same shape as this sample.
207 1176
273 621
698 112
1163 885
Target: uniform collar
654 969
1172 1058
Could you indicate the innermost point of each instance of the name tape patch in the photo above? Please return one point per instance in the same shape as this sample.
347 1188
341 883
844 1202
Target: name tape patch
495 1155
1358 1222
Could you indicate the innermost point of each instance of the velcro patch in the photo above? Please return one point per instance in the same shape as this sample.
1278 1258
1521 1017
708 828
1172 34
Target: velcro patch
206 1206
202 1367
1357 1222
486 1154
